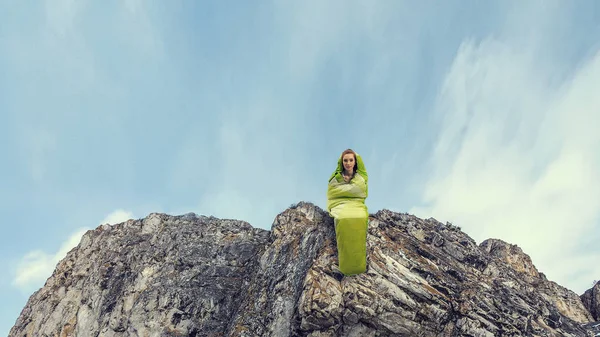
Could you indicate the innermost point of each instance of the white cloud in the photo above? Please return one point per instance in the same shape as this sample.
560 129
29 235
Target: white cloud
36 266
116 217
517 157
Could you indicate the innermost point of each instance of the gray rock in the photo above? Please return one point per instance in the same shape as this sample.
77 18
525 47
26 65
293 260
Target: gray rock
591 300
194 275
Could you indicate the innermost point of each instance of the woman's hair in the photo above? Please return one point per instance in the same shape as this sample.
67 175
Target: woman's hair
355 163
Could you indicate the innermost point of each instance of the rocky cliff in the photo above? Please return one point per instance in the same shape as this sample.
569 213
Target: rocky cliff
591 300
194 275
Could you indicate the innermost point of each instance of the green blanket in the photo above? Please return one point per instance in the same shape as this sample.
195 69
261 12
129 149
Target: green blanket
346 204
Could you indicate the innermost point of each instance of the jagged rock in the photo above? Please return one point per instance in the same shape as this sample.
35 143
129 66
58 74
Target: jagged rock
201 276
591 300
162 274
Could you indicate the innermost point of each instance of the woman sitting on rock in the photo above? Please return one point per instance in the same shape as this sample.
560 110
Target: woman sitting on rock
346 194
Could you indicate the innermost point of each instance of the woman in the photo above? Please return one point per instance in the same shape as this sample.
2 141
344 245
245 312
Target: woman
346 193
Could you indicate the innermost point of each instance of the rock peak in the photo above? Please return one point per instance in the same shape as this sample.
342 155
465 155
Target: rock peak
512 255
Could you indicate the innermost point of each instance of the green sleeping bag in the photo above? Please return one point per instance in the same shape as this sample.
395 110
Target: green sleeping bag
346 204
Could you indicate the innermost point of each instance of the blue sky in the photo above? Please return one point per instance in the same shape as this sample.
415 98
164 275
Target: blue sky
483 114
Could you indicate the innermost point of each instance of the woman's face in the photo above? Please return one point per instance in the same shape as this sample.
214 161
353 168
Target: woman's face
348 160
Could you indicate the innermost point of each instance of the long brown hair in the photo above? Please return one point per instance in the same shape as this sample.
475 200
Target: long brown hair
355 162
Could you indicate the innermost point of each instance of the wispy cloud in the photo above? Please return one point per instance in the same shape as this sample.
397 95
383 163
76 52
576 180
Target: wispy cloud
36 266
116 217
517 157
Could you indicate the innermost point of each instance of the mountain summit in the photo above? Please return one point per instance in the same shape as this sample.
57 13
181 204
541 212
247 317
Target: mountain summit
193 275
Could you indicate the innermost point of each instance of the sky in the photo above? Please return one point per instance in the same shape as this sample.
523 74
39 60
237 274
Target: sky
483 114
